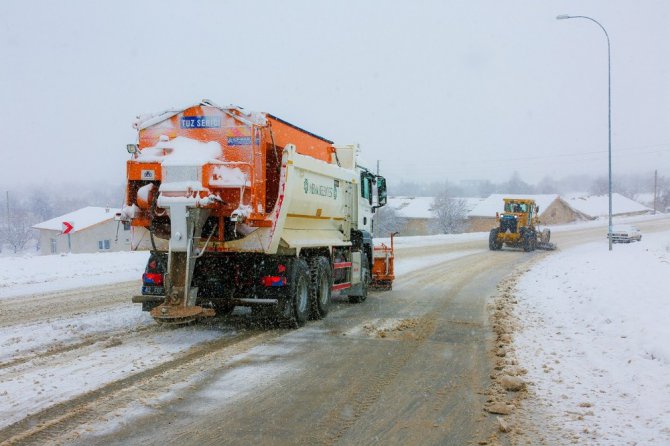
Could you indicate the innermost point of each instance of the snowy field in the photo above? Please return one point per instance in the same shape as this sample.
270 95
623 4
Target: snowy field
32 274
595 340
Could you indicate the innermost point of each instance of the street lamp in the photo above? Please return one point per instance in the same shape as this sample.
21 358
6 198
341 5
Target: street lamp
609 112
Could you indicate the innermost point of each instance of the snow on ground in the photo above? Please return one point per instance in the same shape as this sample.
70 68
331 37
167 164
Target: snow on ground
28 387
594 339
41 274
592 319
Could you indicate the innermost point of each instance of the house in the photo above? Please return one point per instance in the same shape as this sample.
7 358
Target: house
93 230
553 210
417 212
556 209
595 206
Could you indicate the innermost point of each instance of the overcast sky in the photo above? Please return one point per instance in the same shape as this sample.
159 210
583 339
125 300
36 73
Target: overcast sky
435 90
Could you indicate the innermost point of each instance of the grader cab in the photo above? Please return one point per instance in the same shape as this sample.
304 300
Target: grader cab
517 227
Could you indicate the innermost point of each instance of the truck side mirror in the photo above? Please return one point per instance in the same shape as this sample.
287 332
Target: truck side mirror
381 191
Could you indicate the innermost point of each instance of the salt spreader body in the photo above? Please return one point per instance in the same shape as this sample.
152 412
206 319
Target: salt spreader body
247 209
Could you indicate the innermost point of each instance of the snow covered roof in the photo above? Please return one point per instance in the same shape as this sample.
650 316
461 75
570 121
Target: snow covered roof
80 219
421 207
598 205
494 203
149 119
412 207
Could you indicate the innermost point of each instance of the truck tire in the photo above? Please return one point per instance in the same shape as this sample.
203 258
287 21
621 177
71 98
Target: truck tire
493 239
295 306
494 245
528 241
320 290
365 279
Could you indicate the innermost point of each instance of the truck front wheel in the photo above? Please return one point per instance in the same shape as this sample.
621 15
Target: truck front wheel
493 240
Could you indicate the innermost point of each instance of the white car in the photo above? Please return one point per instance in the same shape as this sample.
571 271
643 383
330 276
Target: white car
625 234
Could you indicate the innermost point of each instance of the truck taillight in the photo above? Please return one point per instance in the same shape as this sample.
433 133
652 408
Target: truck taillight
152 279
269 281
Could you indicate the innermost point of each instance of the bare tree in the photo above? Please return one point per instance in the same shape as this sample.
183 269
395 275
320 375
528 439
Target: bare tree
450 213
387 221
18 233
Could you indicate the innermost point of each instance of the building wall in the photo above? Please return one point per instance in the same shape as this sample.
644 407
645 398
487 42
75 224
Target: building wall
558 213
480 224
418 226
87 240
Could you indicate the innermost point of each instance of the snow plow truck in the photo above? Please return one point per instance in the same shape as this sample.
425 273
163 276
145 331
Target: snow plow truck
250 210
517 227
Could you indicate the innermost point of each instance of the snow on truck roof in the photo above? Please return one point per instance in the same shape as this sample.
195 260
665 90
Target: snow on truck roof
80 219
148 119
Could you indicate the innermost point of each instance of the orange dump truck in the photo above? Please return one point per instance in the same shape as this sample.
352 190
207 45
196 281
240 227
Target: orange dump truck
247 209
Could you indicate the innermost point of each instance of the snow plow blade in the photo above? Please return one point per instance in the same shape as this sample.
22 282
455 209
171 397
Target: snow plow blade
383 273
178 315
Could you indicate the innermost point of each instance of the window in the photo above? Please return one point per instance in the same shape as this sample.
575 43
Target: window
54 246
103 245
366 187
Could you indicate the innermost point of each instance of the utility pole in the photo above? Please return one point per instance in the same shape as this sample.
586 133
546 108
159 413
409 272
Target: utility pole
377 167
655 188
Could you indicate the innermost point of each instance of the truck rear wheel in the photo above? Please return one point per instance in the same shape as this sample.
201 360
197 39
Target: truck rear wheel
320 289
294 308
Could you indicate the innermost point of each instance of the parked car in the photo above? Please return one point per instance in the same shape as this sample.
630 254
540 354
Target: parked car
625 234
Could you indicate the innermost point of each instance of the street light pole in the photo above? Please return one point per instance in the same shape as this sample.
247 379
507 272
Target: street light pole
609 113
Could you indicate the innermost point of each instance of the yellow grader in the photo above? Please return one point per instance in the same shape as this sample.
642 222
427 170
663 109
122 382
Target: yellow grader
517 227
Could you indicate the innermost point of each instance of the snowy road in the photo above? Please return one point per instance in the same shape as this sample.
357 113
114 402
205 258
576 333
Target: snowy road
408 366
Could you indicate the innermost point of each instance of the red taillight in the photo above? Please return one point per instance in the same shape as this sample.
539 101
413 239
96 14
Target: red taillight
273 281
281 268
152 279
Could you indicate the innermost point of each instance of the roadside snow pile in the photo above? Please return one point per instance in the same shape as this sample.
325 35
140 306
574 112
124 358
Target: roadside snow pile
40 274
594 339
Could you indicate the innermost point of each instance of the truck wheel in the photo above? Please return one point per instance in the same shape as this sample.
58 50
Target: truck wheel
527 242
320 289
493 240
295 307
365 281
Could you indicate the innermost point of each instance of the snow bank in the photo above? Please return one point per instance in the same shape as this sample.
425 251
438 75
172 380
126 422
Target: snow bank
41 274
595 339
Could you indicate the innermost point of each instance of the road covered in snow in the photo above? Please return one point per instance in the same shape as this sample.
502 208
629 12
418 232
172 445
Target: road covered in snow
80 364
